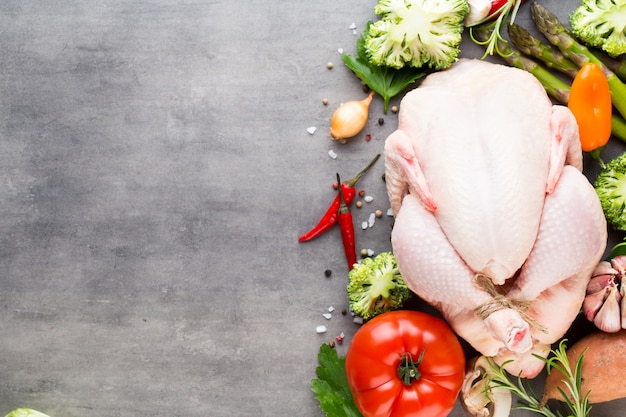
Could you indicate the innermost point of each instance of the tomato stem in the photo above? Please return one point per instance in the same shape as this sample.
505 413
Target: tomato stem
408 369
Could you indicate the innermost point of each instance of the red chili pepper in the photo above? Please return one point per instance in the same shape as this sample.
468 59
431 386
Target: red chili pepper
331 216
346 225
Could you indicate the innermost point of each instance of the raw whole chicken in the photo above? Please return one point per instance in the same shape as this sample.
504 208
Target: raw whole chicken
496 226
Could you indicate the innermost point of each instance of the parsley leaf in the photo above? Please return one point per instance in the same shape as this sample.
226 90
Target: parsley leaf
386 81
331 385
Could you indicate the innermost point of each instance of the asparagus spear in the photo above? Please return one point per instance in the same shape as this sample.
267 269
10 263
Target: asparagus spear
554 86
617 65
550 26
552 57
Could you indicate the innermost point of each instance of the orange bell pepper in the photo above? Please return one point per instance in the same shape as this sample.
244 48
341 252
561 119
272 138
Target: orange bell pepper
590 102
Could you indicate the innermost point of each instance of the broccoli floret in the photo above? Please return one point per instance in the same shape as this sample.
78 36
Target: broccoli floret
376 286
601 24
416 33
610 184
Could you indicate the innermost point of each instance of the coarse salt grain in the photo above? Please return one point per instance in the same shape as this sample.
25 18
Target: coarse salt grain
327 316
331 309
332 154
357 320
352 26
340 50
320 329
364 225
311 130
368 198
370 252
371 220
389 212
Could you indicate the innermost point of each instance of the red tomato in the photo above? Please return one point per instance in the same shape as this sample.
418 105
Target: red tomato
405 363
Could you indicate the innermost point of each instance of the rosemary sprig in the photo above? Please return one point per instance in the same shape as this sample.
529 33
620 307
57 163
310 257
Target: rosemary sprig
576 402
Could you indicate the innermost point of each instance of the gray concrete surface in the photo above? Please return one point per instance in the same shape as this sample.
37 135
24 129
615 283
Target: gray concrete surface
155 172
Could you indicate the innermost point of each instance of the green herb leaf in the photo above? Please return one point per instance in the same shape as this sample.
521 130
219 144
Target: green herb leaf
617 250
386 81
331 385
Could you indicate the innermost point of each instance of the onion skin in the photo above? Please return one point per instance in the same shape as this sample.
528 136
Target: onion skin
602 370
350 118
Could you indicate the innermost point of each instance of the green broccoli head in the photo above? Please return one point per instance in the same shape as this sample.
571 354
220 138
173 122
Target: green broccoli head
416 33
601 24
610 185
376 286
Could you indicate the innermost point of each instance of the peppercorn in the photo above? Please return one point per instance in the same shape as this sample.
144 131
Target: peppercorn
394 109
381 121
328 273
331 343
329 65
378 213
325 101
361 193
358 204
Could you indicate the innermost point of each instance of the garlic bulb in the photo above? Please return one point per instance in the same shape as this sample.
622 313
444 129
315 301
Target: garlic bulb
350 118
605 302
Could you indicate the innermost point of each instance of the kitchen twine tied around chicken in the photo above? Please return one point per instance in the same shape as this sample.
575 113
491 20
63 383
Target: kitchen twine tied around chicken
500 302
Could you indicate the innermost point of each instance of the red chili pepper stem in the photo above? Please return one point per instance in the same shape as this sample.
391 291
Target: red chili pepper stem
329 218
352 181
346 225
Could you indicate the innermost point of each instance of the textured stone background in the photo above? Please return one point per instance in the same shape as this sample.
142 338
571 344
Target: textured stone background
155 172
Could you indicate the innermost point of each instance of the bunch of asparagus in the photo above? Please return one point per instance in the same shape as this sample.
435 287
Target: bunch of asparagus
564 54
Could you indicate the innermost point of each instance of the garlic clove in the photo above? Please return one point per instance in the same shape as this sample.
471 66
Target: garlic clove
619 264
603 268
593 302
600 282
609 318
623 305
350 118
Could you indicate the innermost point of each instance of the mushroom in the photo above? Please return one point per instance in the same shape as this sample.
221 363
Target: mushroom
478 398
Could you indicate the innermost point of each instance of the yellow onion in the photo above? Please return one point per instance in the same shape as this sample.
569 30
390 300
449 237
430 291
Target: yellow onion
350 118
